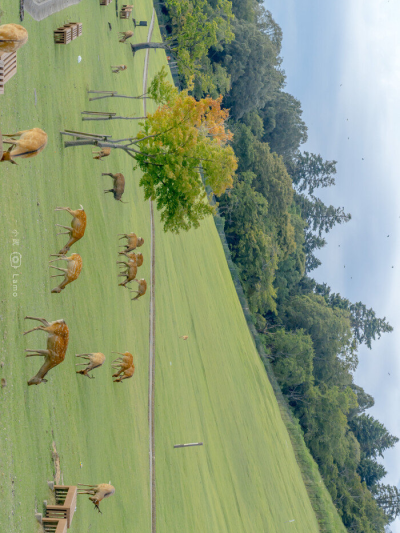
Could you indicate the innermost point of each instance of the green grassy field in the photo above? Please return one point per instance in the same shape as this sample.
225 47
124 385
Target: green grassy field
212 388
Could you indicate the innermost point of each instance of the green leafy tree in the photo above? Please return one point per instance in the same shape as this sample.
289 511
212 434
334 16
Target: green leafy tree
370 471
195 28
177 140
252 61
372 435
310 172
388 499
284 128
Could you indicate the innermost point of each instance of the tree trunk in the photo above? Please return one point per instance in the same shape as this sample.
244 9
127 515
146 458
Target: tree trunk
146 46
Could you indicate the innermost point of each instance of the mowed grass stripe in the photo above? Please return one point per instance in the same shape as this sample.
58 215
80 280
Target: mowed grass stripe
244 478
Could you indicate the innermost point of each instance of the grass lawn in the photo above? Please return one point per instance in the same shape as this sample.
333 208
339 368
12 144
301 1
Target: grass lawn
211 388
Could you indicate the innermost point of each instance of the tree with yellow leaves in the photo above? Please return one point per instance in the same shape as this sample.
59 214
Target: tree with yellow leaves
181 138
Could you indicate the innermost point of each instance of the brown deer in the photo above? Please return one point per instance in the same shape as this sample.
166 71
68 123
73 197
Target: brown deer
57 343
72 271
184 337
125 366
118 68
30 143
142 288
104 152
132 255
133 241
95 360
12 37
130 272
99 492
119 185
125 34
77 228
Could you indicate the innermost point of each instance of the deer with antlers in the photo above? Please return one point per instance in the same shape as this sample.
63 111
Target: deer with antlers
77 229
96 359
30 143
125 366
119 185
57 343
125 34
133 241
12 37
141 289
71 273
99 492
103 152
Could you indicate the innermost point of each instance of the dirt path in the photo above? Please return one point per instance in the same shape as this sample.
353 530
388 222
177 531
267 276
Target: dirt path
152 455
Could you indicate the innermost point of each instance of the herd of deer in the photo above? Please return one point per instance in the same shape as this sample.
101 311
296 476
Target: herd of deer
29 143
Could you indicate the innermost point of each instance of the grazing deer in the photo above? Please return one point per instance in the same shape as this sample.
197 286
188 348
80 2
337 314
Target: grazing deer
119 185
95 360
133 256
142 288
99 492
125 35
118 68
72 271
12 37
133 241
77 229
125 365
104 152
30 143
184 337
57 343
130 272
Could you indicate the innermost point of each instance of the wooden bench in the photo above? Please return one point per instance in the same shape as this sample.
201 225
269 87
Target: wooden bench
54 525
8 67
65 503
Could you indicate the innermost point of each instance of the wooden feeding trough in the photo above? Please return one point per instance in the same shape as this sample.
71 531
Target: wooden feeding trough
68 33
54 525
8 67
65 504
125 12
63 35
105 2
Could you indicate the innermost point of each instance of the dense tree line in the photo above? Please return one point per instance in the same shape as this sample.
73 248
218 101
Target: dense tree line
275 223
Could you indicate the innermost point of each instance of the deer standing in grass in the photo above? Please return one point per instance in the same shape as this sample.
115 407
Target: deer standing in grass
95 360
133 241
12 37
77 228
103 152
118 68
133 256
130 272
119 185
125 34
71 273
125 366
57 343
99 492
30 143
141 289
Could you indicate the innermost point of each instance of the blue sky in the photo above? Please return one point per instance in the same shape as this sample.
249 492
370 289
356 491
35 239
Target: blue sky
342 61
